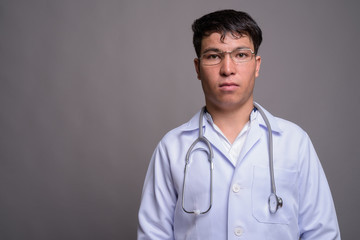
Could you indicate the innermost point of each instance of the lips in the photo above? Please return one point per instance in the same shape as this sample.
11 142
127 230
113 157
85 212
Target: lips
228 86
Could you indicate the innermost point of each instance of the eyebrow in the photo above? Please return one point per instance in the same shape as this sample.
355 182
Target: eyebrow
219 51
212 50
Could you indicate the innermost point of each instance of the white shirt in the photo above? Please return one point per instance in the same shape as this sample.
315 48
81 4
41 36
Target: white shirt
240 192
233 149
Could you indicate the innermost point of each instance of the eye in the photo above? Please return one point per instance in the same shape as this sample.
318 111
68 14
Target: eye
242 54
211 56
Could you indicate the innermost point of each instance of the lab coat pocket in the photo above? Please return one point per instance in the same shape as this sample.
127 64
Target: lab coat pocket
285 181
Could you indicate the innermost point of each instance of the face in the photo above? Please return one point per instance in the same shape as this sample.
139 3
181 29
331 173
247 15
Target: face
228 85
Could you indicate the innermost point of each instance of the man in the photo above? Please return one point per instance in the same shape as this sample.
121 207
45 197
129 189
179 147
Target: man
227 191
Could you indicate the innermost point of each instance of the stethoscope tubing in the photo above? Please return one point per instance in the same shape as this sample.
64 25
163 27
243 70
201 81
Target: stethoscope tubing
274 201
270 146
203 139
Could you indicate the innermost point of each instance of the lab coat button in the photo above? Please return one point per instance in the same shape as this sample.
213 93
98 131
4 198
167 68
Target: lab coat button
238 231
236 188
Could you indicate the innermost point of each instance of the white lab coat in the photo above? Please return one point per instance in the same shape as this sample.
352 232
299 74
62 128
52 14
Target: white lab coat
240 193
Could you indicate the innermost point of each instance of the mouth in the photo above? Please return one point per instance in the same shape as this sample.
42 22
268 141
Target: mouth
228 86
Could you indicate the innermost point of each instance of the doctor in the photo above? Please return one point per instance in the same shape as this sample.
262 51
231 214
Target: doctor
227 196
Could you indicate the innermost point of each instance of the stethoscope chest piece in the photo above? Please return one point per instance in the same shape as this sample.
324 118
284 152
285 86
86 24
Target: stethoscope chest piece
275 203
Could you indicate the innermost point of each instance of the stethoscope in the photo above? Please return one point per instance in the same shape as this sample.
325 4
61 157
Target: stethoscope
274 201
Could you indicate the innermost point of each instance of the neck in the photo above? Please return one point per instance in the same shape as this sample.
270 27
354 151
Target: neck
231 121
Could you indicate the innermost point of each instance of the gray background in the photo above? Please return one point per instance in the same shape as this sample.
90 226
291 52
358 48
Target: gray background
88 88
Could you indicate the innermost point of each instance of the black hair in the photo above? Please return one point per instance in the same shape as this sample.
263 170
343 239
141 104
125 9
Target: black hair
226 21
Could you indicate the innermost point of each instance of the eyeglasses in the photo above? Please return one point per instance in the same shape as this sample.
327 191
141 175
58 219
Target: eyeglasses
240 55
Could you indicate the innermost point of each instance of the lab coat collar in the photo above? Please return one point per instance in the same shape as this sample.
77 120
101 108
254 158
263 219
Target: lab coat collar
254 134
272 120
193 124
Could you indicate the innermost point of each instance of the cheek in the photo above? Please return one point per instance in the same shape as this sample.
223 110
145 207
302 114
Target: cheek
208 82
208 74
250 73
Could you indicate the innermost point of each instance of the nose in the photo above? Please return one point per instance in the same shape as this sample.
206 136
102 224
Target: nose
227 66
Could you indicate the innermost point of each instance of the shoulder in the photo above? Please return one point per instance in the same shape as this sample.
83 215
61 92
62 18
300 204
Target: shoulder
283 127
292 135
288 126
187 128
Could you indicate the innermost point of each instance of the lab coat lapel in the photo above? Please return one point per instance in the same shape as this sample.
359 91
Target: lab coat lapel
212 136
254 135
252 138
256 132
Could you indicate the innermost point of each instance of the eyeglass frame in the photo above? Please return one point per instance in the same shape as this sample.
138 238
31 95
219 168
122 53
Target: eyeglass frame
222 53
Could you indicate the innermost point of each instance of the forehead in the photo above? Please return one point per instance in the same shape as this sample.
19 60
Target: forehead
228 43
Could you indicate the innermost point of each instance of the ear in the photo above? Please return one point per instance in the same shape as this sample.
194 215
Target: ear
257 67
197 67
